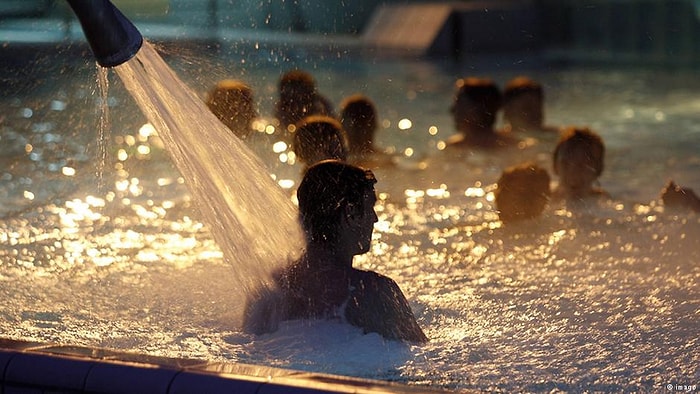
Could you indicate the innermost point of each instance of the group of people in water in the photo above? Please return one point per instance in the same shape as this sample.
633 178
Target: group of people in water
523 190
337 196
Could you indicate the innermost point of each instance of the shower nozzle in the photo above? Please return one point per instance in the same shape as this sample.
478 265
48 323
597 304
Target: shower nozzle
112 37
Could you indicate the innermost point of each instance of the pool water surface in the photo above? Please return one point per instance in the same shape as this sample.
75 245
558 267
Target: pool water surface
101 243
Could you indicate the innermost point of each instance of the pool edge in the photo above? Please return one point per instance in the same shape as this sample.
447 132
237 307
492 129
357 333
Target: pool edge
27 365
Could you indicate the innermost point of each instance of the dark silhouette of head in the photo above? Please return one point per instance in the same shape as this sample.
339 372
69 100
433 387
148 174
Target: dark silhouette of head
319 137
523 192
676 196
329 190
578 160
232 102
358 116
298 98
523 104
476 104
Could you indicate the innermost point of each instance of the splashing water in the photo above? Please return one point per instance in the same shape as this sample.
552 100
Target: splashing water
250 218
593 299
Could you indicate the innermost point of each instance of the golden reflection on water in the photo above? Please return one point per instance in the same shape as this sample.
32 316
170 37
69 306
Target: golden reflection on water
178 243
98 231
491 297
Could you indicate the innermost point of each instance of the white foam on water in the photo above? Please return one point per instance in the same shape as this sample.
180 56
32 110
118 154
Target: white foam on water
330 347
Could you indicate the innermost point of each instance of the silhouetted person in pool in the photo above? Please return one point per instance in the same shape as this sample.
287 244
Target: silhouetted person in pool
299 98
319 137
232 102
358 115
474 109
523 106
578 161
523 192
336 206
676 196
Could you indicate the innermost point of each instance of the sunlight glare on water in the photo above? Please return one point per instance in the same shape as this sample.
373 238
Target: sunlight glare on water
599 297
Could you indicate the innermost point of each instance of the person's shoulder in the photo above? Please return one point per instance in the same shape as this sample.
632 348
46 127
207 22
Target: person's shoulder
370 280
368 275
378 305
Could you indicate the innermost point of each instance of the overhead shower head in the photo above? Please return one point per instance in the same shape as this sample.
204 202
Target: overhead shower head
111 35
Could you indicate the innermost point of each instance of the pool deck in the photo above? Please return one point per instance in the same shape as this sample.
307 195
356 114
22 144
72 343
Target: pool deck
33 367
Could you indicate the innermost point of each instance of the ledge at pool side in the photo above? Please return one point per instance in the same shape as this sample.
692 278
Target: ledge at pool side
65 368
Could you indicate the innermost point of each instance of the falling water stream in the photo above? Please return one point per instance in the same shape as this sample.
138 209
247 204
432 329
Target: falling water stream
251 219
104 126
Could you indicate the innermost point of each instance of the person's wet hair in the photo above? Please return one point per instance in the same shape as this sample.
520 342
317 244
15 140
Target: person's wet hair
578 161
358 116
523 192
583 144
519 86
298 98
328 189
480 93
319 137
296 82
232 102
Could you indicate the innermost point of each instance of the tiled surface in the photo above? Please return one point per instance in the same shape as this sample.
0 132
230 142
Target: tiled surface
31 367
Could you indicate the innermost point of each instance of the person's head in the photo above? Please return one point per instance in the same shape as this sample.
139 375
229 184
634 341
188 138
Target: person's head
297 89
475 104
296 83
319 137
232 102
676 196
522 193
578 159
523 104
359 119
336 203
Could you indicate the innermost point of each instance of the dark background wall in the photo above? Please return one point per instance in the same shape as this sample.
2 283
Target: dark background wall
654 31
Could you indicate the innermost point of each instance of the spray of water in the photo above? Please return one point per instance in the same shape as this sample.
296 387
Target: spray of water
104 126
249 216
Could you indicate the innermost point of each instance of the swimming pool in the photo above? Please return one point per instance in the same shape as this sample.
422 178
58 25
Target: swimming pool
102 246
